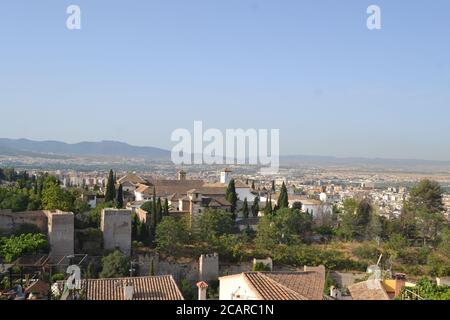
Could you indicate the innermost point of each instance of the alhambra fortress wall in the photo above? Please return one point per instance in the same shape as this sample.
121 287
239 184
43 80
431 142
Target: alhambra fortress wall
58 225
209 267
10 221
61 232
116 227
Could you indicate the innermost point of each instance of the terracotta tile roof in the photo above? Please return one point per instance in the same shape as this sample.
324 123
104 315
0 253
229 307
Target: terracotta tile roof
368 290
132 178
142 188
215 202
210 190
167 188
144 288
306 285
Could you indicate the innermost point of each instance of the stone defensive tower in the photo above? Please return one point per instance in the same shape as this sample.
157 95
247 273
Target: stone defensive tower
116 228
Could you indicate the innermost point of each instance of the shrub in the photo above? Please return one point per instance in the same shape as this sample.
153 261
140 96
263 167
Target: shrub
367 252
16 246
57 277
115 265
188 290
261 267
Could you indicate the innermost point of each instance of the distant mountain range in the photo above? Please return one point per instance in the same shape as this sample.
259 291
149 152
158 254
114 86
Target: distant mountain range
102 148
329 160
61 150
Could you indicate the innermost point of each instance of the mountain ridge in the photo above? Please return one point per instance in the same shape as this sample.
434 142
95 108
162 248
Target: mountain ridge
28 147
84 148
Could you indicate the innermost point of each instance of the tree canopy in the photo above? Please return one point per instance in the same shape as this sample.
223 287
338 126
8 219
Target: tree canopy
16 246
231 195
110 193
115 265
171 234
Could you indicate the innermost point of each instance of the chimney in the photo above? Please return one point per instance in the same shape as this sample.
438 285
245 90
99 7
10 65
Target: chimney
128 291
202 287
400 283
182 175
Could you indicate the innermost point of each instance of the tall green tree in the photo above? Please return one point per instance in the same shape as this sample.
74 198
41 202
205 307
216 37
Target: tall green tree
422 215
159 210
135 225
231 195
273 186
245 210
154 210
115 265
171 234
166 207
214 223
54 198
286 227
268 208
283 201
110 194
255 207
145 233
347 225
253 185
119 199
427 194
363 216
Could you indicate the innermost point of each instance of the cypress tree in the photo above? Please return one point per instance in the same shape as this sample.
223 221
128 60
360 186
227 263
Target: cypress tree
154 211
144 234
135 226
159 210
283 201
152 269
110 193
231 195
245 208
40 187
255 207
273 185
268 208
166 207
253 185
119 200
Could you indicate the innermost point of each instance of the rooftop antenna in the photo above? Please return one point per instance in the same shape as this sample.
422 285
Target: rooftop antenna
379 259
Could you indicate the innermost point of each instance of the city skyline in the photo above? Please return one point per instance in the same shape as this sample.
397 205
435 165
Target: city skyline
137 71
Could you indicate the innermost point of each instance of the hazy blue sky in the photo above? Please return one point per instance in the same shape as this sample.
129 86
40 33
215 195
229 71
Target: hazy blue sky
137 70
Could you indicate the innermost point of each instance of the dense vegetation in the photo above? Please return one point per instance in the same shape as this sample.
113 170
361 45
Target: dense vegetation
21 192
15 246
115 265
426 290
351 238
